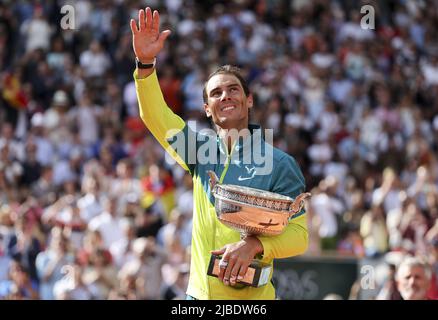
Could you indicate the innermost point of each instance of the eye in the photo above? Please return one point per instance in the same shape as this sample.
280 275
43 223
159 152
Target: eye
234 89
215 94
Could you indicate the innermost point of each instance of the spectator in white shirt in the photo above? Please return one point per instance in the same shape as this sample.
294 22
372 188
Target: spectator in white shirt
37 31
121 250
89 204
326 208
108 223
94 61
86 118
45 152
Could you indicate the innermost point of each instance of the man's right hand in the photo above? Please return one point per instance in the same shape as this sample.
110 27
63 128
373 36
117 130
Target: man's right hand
147 41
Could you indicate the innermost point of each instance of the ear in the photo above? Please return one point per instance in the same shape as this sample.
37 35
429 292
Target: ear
207 110
250 101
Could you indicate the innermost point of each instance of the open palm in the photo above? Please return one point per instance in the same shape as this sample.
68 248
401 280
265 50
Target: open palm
147 41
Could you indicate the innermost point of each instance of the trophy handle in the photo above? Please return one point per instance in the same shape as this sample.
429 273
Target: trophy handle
298 204
214 180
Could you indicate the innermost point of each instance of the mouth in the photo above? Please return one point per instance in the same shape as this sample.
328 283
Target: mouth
228 108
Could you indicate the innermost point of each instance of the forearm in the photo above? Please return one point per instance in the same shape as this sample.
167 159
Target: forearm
161 121
154 112
293 241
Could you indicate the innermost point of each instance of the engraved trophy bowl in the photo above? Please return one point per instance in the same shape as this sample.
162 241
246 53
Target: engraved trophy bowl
253 211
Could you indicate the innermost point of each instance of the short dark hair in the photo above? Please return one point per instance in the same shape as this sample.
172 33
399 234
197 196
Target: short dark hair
227 69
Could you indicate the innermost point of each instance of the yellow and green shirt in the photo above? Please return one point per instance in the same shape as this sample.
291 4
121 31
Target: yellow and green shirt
233 168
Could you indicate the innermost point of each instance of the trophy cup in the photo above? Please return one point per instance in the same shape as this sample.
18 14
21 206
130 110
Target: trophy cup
252 212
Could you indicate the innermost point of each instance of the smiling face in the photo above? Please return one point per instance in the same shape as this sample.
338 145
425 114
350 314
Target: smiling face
227 102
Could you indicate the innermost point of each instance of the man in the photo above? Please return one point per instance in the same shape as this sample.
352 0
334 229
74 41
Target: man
413 279
227 102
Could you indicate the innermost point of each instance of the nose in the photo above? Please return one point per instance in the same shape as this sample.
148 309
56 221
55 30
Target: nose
225 95
411 281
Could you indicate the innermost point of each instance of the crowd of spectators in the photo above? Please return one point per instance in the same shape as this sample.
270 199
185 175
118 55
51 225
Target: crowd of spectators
91 209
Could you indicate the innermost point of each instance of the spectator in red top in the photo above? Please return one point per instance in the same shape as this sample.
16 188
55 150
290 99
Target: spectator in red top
171 87
432 294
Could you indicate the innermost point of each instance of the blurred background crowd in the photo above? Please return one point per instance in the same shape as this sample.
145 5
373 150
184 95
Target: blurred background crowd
89 207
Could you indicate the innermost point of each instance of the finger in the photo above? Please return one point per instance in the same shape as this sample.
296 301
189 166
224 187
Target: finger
227 275
221 273
223 258
234 272
163 36
148 18
242 271
133 27
218 252
141 22
156 20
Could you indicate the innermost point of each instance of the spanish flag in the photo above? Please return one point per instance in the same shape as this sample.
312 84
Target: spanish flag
13 93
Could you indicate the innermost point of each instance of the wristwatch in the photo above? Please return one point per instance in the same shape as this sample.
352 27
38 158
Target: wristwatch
140 65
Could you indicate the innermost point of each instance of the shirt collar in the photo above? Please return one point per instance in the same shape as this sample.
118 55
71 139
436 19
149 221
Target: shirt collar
255 137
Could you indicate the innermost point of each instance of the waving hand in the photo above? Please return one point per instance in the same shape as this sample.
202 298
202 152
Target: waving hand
147 41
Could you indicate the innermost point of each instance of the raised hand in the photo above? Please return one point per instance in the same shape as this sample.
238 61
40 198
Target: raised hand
147 41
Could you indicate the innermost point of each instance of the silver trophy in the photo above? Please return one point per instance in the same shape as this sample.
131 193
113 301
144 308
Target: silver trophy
252 212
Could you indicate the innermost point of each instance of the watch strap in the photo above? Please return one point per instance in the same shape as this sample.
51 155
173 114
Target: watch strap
141 65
